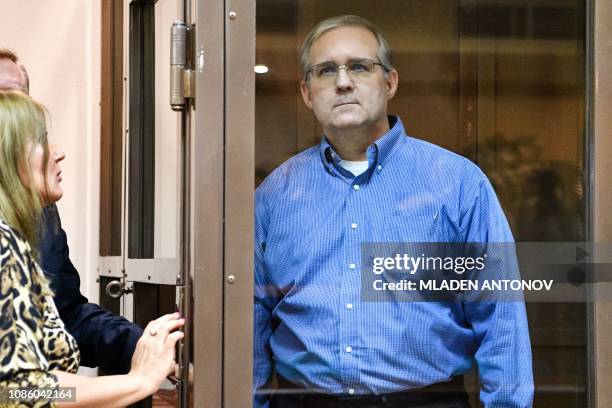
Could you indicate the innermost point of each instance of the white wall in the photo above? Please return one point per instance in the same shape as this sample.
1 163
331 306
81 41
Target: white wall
58 41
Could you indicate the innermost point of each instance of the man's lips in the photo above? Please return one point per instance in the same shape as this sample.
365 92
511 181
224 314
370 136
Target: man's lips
345 103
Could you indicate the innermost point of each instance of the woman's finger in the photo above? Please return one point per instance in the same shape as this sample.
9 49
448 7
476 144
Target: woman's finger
156 326
168 317
173 324
163 329
173 338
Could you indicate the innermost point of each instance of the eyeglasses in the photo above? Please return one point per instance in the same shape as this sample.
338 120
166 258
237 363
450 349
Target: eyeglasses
356 67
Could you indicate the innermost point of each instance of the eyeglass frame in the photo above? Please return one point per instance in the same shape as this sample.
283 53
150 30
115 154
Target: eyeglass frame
345 66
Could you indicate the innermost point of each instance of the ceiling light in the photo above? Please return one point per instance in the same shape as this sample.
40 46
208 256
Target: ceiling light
261 69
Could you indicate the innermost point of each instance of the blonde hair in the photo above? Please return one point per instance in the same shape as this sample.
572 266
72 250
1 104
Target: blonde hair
384 50
22 127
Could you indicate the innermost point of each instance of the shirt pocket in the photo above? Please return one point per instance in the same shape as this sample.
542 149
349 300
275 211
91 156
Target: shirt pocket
419 218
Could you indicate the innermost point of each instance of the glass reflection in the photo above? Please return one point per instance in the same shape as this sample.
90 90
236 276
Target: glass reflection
501 83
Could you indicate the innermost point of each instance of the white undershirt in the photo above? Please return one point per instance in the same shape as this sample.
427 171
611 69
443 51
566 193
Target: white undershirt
355 167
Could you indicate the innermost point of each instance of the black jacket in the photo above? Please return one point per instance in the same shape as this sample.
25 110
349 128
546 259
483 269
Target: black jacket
105 340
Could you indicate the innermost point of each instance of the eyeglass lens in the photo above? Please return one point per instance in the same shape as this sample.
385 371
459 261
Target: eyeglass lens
330 69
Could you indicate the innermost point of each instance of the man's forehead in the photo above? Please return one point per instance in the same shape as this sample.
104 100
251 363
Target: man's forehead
11 77
343 43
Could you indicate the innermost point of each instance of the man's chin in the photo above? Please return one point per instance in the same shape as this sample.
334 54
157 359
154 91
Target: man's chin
347 123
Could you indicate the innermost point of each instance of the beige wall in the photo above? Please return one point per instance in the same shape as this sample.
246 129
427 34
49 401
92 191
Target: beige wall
59 43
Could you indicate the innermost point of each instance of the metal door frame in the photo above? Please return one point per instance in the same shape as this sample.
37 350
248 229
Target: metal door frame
223 147
159 271
600 129
220 240
222 200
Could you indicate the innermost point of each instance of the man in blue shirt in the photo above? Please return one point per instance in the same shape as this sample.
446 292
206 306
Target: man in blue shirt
368 182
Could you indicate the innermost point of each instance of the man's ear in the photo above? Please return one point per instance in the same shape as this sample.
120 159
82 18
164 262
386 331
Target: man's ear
306 93
392 80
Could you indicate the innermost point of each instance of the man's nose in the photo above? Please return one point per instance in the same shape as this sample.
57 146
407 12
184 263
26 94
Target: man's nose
344 80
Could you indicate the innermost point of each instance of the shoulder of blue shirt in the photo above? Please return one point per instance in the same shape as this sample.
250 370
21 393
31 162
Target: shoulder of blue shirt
429 159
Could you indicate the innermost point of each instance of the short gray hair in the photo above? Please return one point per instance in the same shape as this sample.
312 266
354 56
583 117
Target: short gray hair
384 50
5 53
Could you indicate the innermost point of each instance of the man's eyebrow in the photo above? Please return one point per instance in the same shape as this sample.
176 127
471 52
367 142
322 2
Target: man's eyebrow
374 59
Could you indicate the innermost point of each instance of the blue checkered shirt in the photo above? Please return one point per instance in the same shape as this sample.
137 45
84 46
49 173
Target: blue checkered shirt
311 218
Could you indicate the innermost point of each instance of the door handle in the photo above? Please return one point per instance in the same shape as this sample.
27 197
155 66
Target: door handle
115 289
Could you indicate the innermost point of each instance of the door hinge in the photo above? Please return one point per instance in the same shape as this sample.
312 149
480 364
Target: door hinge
182 80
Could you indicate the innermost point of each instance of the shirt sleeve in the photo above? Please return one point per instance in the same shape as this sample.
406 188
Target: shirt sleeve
105 340
503 350
22 361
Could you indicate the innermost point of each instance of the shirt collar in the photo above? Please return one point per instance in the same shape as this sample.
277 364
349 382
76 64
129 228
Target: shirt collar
378 153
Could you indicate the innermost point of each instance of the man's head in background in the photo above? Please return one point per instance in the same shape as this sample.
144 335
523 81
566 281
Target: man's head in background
13 75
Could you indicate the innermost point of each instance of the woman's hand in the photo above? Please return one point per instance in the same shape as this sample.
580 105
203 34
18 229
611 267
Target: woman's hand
153 359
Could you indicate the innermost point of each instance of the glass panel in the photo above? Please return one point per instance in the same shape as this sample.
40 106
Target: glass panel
154 135
167 140
153 177
500 82
141 163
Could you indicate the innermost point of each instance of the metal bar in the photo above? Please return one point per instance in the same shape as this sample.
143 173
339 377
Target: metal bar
180 11
184 277
127 309
602 193
239 187
186 11
158 271
111 266
588 180
207 204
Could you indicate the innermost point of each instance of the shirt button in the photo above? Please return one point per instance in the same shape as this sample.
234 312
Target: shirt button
356 186
354 225
349 306
351 391
379 167
352 266
348 349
